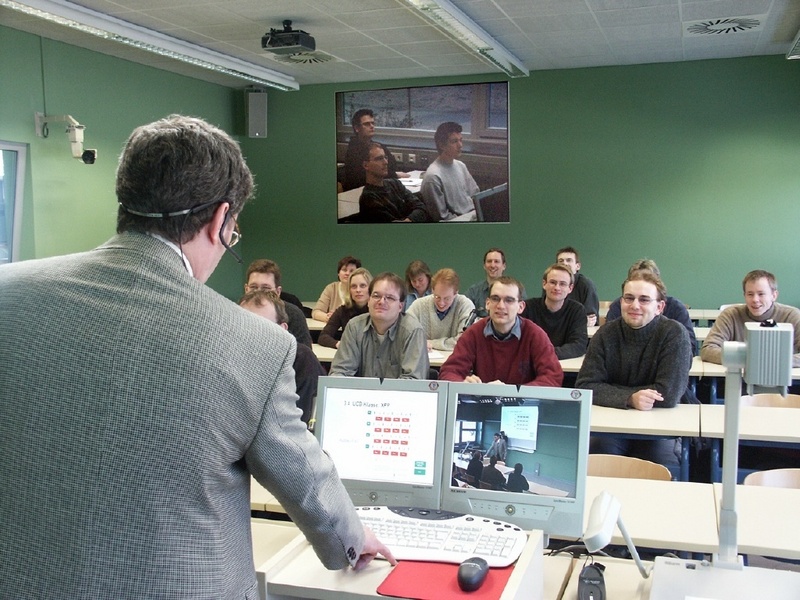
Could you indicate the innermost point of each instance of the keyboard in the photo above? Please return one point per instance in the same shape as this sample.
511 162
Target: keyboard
442 536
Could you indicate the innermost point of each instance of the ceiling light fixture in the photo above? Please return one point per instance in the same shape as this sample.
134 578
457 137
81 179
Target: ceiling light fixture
458 26
116 30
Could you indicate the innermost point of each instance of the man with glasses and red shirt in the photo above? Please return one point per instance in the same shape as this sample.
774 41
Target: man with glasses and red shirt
503 347
384 342
642 362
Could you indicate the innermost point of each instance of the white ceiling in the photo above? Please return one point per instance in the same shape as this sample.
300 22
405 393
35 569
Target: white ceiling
385 39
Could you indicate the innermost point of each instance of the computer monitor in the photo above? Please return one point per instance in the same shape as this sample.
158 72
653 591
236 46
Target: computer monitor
548 434
385 438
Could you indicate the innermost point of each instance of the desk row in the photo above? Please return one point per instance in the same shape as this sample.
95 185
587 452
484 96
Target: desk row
677 515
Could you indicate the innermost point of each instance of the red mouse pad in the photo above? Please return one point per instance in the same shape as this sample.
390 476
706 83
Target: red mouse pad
437 581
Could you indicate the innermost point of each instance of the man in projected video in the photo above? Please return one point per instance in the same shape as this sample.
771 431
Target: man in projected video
363 122
641 361
447 186
386 200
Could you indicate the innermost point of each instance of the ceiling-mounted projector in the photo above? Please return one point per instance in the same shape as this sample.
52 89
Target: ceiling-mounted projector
287 41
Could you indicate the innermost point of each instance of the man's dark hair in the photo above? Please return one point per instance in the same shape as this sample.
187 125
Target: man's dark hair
264 265
443 132
506 280
347 260
178 165
498 250
365 151
262 297
355 120
392 278
570 250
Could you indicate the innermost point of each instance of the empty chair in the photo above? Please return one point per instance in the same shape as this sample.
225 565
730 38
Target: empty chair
784 478
626 467
772 400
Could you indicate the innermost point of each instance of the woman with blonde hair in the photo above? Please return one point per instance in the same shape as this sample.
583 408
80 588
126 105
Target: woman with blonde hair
355 305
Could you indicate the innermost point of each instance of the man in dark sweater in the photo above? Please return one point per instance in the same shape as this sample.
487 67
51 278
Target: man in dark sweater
641 361
386 200
563 320
584 290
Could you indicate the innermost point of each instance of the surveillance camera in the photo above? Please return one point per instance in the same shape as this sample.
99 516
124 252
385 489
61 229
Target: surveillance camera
89 156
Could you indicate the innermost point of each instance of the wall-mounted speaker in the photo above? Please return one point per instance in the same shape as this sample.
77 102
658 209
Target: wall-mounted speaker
256 114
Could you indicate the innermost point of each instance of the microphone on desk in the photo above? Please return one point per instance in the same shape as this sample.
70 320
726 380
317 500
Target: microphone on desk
477 313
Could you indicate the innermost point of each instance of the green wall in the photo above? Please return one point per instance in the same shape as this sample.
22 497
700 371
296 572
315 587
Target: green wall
70 206
692 164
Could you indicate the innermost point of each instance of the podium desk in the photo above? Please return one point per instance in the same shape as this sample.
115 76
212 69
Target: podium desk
296 572
768 521
681 421
758 426
573 365
668 515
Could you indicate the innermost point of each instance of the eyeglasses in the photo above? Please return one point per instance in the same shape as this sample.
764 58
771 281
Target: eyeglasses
380 158
254 287
378 297
643 300
235 236
506 300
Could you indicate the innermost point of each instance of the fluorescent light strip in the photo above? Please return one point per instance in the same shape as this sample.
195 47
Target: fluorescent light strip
116 30
450 19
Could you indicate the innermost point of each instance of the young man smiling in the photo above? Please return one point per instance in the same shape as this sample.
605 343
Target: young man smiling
760 292
563 320
504 348
445 313
384 342
641 361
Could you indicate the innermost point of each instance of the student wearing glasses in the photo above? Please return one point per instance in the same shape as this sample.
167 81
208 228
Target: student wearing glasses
265 275
640 362
384 342
503 347
563 320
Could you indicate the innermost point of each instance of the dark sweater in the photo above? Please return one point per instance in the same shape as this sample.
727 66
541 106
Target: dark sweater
332 332
566 327
390 202
673 309
621 360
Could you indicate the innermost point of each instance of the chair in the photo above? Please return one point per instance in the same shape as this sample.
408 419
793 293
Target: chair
604 306
626 467
772 400
783 478
486 486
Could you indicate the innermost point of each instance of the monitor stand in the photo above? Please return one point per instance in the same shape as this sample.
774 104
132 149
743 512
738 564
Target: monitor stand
679 579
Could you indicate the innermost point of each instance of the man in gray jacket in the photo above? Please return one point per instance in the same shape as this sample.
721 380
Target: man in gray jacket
137 402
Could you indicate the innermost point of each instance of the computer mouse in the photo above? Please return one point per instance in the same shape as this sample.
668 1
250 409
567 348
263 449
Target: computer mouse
472 573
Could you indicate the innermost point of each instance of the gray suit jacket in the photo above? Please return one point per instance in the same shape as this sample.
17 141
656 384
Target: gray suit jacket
136 402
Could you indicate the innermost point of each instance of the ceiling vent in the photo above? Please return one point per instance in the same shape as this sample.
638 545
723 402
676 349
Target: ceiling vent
302 58
723 26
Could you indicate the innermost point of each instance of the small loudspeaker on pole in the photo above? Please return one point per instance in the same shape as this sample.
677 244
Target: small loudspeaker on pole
256 102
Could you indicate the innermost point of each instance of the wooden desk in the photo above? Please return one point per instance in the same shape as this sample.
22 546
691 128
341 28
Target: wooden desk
768 520
669 515
325 355
314 325
758 425
270 537
573 365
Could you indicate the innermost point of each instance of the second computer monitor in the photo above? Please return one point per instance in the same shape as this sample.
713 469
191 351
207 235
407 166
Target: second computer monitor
547 431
